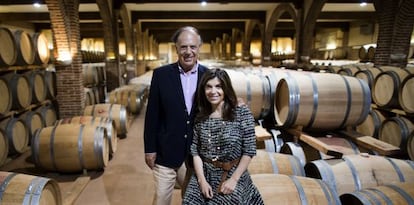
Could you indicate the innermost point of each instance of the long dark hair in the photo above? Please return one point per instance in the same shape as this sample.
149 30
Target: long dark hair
230 98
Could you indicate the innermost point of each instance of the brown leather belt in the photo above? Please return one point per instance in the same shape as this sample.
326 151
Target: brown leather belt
226 166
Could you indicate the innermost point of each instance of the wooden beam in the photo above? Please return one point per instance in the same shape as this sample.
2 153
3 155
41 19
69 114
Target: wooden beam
371 143
315 143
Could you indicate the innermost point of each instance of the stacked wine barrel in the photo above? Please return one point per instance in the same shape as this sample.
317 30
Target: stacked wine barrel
94 82
28 88
131 96
392 115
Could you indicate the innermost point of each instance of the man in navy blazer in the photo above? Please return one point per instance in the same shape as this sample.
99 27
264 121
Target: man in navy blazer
169 118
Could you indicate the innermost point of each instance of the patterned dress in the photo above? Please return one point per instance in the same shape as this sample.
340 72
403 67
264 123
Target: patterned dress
227 140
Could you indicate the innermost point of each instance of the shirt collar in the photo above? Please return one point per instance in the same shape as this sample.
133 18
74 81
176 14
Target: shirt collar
193 70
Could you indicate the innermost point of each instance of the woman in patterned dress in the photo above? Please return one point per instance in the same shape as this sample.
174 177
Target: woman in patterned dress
223 146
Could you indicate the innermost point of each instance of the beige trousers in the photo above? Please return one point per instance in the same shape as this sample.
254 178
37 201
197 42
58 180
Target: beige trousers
165 179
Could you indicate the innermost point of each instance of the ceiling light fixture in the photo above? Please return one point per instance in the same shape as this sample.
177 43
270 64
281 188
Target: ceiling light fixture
204 3
363 3
37 5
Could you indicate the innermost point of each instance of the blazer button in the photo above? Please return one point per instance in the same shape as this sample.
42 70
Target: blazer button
185 136
188 122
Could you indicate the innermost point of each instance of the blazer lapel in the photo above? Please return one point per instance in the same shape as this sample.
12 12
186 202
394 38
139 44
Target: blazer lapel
176 80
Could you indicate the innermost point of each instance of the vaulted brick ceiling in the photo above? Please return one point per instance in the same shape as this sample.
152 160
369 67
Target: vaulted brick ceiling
162 17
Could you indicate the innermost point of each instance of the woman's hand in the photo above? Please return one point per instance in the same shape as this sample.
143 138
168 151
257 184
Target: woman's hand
228 186
206 189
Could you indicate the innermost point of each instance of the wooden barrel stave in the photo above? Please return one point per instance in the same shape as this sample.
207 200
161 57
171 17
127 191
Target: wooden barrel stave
105 122
331 90
41 48
283 189
25 48
16 132
115 112
270 162
397 193
406 93
8 49
20 188
6 98
356 172
4 147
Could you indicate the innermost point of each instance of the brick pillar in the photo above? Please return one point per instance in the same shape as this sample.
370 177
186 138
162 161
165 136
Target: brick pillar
64 17
233 41
396 20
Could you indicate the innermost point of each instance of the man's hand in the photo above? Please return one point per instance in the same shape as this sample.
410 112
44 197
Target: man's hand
150 159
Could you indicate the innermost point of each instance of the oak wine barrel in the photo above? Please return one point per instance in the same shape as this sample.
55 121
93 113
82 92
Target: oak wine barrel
271 162
37 86
4 148
16 133
406 93
70 148
41 48
386 87
21 91
8 54
6 96
115 112
321 101
250 88
397 193
371 125
357 172
33 121
395 131
289 189
17 188
105 122
25 48
49 114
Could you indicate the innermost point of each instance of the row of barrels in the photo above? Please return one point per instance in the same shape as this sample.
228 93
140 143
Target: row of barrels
17 130
20 90
92 56
132 96
69 145
94 95
321 101
283 179
391 87
93 74
366 54
396 130
20 48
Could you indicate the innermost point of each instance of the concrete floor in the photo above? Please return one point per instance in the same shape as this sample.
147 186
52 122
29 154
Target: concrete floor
127 179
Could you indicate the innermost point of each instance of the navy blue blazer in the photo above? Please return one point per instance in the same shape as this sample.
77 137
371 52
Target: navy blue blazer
168 129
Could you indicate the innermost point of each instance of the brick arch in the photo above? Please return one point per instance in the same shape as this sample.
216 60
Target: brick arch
110 30
226 39
277 12
128 32
308 27
105 10
236 34
250 25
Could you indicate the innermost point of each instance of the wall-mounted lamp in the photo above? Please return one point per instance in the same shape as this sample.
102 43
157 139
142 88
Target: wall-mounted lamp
64 58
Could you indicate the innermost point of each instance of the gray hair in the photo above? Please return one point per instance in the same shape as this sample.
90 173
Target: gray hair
175 36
